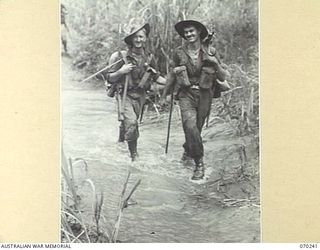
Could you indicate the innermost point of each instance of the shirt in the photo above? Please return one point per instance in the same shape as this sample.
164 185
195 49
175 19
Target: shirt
181 57
141 62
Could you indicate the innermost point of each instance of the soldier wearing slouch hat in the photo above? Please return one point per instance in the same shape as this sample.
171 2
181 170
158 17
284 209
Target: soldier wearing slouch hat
196 75
138 65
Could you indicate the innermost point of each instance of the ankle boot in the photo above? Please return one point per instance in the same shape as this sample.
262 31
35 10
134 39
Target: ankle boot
198 172
132 145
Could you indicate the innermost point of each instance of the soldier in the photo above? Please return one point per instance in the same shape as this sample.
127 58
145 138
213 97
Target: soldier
195 74
138 66
64 27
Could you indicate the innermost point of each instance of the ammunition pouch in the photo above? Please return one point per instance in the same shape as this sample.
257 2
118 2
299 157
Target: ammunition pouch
207 77
182 76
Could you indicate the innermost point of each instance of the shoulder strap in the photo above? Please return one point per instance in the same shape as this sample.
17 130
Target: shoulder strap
123 54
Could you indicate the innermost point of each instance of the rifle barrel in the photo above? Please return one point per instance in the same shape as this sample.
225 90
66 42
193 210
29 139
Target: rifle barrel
105 68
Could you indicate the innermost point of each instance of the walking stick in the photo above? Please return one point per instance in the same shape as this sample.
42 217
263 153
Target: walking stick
169 123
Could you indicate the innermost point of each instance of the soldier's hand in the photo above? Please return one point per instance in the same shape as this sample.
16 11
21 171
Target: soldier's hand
126 68
214 60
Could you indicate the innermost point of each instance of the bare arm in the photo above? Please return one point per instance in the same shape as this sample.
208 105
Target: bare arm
221 72
171 79
119 70
169 85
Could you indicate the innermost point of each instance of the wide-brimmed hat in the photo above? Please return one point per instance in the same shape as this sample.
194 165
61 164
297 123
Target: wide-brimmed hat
134 28
186 23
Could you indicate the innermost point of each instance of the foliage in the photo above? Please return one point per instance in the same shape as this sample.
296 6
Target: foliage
97 27
74 227
97 30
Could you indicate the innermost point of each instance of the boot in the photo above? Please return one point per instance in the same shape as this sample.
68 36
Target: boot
198 172
132 145
121 133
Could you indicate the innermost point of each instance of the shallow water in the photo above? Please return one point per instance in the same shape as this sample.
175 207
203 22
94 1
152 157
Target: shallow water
169 206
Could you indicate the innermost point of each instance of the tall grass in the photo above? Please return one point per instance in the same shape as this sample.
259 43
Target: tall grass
97 30
74 228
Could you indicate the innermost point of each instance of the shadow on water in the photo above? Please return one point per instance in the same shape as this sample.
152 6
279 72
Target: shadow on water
169 207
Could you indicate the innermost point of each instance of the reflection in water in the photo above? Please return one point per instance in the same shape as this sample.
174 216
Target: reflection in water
170 207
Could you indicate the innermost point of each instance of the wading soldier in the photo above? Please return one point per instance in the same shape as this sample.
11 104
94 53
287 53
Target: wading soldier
195 74
130 79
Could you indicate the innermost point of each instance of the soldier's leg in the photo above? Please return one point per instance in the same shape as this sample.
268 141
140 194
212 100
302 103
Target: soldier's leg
186 155
189 110
131 129
188 106
205 101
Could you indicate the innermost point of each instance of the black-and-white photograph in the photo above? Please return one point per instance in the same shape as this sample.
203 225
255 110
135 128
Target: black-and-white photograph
160 121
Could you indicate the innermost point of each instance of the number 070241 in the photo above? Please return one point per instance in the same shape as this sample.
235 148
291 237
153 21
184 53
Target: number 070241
308 245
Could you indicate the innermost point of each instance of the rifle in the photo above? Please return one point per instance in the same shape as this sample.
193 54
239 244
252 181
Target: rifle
101 70
119 106
125 90
207 41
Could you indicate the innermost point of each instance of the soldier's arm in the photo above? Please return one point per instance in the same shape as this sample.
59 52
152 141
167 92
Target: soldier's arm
218 66
221 72
169 85
156 74
170 81
116 72
113 74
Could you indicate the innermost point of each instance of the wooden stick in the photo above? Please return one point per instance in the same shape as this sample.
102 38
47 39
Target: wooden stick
105 68
169 124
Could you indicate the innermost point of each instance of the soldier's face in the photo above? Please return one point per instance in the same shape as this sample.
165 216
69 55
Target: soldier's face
191 34
139 39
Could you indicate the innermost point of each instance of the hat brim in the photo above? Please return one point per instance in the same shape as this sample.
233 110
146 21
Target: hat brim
186 23
128 38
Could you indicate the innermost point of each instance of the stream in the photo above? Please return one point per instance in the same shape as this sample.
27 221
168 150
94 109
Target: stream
167 206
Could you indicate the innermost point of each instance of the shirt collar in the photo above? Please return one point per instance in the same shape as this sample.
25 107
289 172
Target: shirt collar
185 48
130 54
